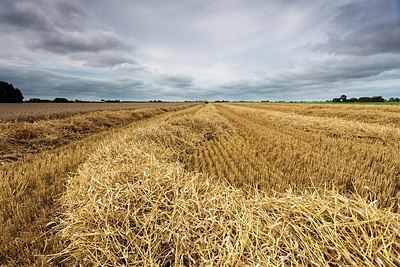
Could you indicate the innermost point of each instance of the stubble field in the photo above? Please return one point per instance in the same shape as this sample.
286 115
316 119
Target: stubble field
204 185
35 111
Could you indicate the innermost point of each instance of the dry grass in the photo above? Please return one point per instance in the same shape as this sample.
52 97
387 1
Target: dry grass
377 114
132 203
278 151
274 189
30 189
21 138
44 111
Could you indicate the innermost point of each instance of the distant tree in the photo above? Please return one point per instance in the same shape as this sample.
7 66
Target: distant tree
353 99
60 100
9 94
336 100
343 98
378 99
38 100
365 99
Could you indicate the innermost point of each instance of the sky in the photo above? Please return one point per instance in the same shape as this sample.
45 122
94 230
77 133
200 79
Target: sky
206 49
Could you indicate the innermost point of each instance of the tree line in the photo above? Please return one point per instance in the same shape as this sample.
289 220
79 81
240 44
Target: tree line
9 94
343 98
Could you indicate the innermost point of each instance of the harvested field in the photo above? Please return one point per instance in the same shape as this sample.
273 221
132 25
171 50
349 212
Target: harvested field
379 114
22 138
31 187
38 111
278 150
212 185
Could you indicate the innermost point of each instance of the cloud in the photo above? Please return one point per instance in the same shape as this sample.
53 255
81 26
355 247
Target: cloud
105 59
175 81
342 68
62 42
23 15
49 84
320 78
59 27
364 28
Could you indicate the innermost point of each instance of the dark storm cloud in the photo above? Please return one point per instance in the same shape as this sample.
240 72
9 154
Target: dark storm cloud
175 81
58 27
364 28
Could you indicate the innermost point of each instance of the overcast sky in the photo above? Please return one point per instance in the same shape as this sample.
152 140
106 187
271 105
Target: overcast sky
212 49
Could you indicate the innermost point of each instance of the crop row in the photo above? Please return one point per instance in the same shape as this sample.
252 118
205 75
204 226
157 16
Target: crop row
379 114
281 151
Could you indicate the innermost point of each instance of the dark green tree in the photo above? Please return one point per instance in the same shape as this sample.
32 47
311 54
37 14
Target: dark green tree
9 94
378 99
61 100
365 99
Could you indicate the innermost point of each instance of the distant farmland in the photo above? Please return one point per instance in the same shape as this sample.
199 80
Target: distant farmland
203 185
34 111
